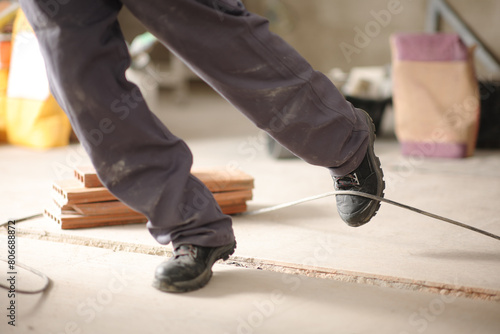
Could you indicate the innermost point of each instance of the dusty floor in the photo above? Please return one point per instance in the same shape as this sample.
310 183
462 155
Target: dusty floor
102 291
402 273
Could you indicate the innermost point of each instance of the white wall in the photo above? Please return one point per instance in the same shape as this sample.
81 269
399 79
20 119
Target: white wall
320 29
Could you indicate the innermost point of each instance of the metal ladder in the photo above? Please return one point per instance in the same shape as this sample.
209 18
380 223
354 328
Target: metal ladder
438 9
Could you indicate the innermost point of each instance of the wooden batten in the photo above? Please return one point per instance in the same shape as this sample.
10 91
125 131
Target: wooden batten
216 179
68 192
102 208
74 221
222 180
87 177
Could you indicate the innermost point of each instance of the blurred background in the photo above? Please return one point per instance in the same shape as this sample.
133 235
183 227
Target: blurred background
317 27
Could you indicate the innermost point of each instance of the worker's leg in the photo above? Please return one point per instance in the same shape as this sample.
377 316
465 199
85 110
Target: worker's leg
135 156
234 51
262 76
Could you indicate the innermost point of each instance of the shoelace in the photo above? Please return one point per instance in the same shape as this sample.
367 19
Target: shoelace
347 182
186 250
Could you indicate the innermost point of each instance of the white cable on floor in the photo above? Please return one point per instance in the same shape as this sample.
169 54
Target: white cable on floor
46 280
377 198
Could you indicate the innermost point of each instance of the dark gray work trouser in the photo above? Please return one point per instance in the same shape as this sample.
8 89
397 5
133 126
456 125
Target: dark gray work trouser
135 155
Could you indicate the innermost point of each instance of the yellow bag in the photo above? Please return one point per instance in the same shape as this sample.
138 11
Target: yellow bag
34 118
5 48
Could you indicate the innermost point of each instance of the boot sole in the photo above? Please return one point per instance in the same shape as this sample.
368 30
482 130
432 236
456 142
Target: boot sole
200 281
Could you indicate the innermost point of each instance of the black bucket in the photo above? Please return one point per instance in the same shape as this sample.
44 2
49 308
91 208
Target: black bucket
489 128
374 108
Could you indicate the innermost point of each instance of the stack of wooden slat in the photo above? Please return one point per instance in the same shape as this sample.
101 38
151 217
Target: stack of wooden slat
84 202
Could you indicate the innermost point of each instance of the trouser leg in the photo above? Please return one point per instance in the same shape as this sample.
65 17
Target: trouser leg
135 155
262 76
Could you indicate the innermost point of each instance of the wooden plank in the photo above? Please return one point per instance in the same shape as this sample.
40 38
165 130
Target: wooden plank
232 197
222 179
216 179
66 209
229 204
102 208
87 176
69 192
234 209
74 221
62 208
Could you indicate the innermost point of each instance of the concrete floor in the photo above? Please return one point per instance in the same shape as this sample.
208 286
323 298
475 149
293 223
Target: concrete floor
101 291
377 278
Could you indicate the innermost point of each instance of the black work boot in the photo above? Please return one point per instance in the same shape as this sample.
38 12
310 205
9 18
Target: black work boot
367 178
190 268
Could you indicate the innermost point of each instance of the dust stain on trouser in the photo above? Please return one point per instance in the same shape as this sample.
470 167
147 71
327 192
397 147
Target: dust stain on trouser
135 155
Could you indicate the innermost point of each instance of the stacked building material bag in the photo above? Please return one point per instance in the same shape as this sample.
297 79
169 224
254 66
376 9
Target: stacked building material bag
84 202
436 96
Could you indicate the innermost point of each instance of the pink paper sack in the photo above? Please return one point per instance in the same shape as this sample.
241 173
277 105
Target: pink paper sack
436 98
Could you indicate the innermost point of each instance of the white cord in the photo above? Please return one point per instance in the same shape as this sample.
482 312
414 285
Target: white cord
46 280
373 197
